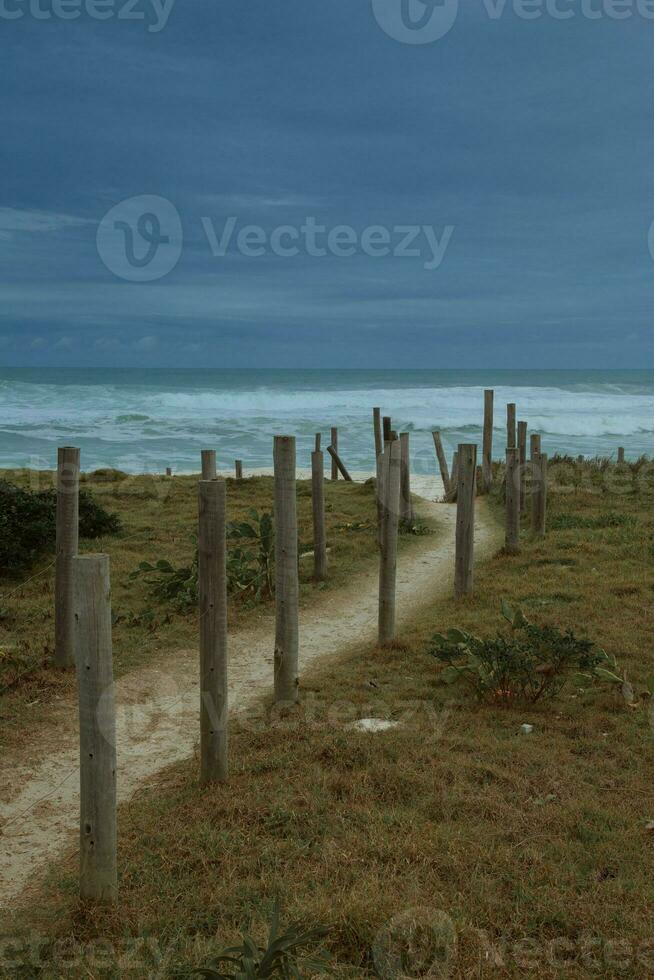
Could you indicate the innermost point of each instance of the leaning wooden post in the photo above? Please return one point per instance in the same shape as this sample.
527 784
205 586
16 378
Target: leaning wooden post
522 462
620 455
391 463
339 464
539 499
318 506
465 520
512 535
286 572
454 478
377 426
487 448
442 462
212 588
208 464
67 535
98 878
334 444
406 506
238 469
511 439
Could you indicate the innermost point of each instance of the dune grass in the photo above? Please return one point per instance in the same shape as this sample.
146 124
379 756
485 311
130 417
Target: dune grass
532 849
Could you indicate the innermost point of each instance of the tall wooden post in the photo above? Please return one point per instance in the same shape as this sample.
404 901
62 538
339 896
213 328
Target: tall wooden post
487 447
539 494
392 464
465 520
286 572
406 506
238 469
67 535
318 505
208 464
512 536
442 462
377 426
98 879
522 462
511 437
334 445
212 582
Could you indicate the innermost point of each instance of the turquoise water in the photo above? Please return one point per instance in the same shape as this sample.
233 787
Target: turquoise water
145 420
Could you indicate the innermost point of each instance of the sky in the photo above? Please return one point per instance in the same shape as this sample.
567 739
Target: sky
350 184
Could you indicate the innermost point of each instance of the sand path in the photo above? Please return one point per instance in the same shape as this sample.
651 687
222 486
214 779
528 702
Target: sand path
157 708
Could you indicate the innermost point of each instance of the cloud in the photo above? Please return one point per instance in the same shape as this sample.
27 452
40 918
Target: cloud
12 220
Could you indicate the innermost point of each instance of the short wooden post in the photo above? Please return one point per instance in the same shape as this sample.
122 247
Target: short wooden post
318 505
465 520
208 464
286 572
580 460
442 462
339 464
522 463
212 588
620 455
511 437
392 464
169 472
487 448
238 469
406 506
512 535
387 426
334 445
539 498
377 427
67 535
98 878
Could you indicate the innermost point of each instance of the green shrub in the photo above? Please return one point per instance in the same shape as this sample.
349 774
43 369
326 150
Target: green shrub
530 663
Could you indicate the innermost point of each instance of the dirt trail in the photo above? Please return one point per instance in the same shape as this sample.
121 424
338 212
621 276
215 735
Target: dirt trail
157 708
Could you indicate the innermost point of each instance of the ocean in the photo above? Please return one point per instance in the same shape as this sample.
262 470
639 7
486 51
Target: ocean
145 420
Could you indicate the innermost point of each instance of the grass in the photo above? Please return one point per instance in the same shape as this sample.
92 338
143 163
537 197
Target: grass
534 847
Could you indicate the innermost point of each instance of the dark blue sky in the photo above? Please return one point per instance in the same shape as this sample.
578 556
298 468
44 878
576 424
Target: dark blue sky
530 140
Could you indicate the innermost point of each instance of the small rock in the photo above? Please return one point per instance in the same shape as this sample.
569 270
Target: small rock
526 729
373 725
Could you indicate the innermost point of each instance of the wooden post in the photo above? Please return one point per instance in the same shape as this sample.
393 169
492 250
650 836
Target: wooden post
98 877
169 472
334 444
318 504
454 479
406 506
465 520
67 535
377 426
212 588
620 455
442 462
511 440
522 463
580 460
539 498
391 463
487 448
339 464
208 464
286 572
318 442
512 535
238 469
534 444
387 424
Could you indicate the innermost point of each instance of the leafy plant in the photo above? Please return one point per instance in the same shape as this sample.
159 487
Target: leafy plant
279 958
178 586
531 663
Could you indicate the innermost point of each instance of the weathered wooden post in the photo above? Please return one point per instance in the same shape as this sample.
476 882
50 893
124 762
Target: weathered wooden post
620 455
334 445
387 424
442 461
377 426
98 877
238 469
318 442
534 444
212 587
392 464
67 535
539 499
208 464
406 506
318 506
454 478
339 464
465 520
522 462
487 447
512 535
511 440
286 572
